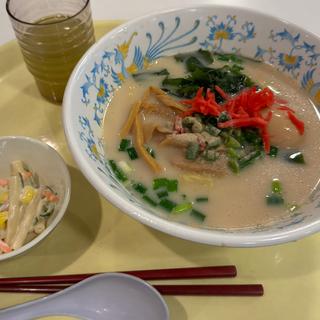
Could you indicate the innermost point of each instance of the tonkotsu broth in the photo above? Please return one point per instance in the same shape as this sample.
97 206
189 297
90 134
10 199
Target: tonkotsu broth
235 201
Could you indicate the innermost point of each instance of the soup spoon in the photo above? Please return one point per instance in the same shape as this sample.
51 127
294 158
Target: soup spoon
110 296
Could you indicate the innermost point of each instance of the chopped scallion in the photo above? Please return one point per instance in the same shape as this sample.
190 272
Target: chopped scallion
123 165
296 157
223 117
117 171
132 153
170 185
160 183
210 155
232 143
167 204
233 154
124 144
149 200
197 215
162 193
192 151
182 207
274 199
139 187
273 151
150 151
234 165
202 199
276 186
249 158
211 129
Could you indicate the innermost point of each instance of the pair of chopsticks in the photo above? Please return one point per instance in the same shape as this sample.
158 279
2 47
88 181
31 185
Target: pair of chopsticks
52 284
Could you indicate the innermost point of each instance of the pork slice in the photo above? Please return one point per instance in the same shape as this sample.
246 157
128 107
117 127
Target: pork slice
217 168
180 140
156 121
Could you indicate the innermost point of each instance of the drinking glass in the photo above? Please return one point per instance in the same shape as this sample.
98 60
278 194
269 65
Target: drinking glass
52 35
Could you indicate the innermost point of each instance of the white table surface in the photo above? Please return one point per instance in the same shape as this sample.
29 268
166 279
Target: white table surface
304 13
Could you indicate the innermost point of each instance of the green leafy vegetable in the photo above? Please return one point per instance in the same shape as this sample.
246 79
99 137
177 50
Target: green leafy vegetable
204 55
228 57
145 75
230 77
251 136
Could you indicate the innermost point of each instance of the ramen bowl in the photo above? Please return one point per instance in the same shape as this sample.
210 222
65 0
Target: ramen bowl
103 68
51 170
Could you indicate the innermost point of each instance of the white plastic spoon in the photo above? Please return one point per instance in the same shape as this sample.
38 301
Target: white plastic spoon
110 296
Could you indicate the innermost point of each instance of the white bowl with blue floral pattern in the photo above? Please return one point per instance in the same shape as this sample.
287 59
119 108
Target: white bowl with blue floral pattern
129 47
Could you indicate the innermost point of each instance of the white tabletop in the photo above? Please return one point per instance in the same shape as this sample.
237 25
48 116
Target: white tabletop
304 13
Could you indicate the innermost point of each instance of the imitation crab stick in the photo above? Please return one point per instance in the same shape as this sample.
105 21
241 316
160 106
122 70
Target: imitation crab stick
4 247
4 182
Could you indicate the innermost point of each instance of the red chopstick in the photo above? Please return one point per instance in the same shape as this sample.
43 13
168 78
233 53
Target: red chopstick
158 274
194 290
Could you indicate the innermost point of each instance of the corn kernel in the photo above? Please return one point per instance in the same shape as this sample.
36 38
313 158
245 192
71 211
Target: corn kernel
27 195
4 197
3 219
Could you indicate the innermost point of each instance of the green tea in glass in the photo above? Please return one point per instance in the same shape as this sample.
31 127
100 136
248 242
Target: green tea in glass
53 35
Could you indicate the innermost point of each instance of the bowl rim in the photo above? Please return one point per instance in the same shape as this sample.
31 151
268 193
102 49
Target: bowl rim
63 206
200 235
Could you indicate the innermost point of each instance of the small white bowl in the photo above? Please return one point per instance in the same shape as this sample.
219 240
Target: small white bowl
51 169
287 47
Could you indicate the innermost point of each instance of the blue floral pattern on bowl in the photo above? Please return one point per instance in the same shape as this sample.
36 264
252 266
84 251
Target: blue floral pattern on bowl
225 30
221 29
300 59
